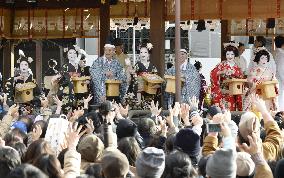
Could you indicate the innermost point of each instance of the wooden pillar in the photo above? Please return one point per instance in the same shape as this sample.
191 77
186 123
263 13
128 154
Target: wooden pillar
39 63
104 25
177 51
157 34
224 37
6 67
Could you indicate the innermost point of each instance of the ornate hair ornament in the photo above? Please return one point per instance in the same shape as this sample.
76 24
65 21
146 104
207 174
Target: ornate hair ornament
75 47
260 49
21 53
23 57
30 60
236 45
149 46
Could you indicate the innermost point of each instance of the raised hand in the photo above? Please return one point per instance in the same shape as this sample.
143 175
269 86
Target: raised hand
58 102
155 108
184 111
87 100
170 119
123 110
73 135
13 110
90 126
197 120
193 102
176 109
259 104
255 145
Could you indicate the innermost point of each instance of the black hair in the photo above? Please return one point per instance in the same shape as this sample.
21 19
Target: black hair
94 116
178 165
202 165
130 147
49 164
60 157
24 59
66 53
241 44
279 41
262 40
26 171
169 65
43 124
117 42
259 54
20 147
144 45
52 63
231 48
169 144
197 65
95 170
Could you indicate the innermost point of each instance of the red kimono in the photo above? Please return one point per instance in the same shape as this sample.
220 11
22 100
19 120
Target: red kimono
220 97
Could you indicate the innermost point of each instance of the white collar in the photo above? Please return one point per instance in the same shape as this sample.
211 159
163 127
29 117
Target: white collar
106 60
183 66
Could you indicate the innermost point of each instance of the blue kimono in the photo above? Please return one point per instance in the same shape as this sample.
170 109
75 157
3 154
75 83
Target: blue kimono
191 85
98 76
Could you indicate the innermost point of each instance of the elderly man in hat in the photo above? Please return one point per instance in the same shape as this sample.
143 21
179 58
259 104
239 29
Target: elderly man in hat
192 78
104 68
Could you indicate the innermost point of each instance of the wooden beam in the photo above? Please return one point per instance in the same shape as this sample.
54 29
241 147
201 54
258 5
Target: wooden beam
52 4
157 34
104 24
39 62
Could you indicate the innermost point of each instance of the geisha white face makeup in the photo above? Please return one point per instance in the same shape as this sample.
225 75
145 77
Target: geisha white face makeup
24 66
108 52
263 60
144 54
230 56
72 56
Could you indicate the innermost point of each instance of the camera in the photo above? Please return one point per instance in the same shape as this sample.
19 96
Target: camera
212 127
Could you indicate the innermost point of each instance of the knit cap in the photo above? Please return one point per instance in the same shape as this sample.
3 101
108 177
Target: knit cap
222 164
188 141
150 163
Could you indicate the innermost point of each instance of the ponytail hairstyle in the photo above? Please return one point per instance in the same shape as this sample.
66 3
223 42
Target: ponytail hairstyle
178 165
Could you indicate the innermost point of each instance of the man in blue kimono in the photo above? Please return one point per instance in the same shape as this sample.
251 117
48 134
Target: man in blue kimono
192 80
104 68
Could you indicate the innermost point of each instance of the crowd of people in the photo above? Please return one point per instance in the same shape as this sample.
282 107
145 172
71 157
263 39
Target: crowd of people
106 138
104 142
